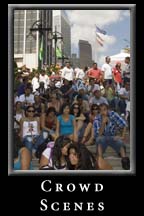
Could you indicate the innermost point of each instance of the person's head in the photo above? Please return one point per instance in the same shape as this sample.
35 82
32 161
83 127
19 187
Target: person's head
30 111
37 98
79 99
118 65
127 60
107 59
94 65
127 86
91 81
60 149
51 112
80 158
85 68
36 74
75 109
68 64
103 109
94 109
28 90
81 91
97 93
65 109
18 105
43 72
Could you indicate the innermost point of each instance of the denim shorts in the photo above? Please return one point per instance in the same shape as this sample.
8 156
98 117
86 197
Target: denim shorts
109 141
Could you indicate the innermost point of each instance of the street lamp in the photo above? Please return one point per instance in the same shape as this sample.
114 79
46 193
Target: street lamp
56 36
37 26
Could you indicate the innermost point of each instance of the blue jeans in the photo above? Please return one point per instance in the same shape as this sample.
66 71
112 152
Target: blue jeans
39 139
106 141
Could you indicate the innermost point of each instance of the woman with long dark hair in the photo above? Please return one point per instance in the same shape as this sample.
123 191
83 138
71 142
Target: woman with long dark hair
48 122
79 118
80 158
88 136
55 155
66 124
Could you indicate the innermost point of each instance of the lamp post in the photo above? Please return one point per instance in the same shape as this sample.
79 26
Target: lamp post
43 26
56 36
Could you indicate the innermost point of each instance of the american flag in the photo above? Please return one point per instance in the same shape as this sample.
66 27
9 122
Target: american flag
100 30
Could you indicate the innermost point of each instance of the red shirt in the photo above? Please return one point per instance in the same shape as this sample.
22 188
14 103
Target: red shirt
96 73
117 75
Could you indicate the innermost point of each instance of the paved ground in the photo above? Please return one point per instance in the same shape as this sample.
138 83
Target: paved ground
110 155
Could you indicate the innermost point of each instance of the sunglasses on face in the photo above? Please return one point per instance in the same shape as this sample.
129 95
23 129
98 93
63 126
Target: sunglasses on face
31 111
76 107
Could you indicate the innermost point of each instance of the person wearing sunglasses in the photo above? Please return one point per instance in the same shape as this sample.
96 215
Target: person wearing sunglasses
30 129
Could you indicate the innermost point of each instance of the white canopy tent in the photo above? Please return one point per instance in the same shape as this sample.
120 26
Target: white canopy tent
119 57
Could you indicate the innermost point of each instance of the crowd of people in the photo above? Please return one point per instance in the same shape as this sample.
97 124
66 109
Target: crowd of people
57 117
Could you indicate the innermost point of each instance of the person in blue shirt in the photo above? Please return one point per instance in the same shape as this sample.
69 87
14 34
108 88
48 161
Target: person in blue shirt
66 124
106 125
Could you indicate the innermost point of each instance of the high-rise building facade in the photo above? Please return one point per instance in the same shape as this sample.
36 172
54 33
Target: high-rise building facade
27 43
62 24
25 46
85 53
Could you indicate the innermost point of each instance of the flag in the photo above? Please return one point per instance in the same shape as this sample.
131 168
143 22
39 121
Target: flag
99 39
41 50
100 30
58 52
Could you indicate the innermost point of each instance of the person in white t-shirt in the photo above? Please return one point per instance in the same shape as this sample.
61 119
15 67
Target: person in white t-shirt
27 98
67 72
79 73
107 71
44 78
35 82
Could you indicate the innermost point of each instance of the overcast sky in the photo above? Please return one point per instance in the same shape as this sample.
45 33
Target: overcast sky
115 22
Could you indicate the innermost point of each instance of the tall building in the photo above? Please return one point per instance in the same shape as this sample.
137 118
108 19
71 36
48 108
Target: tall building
62 25
26 43
85 53
74 60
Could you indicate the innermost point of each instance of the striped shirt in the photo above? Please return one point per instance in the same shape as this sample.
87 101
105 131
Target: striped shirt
115 122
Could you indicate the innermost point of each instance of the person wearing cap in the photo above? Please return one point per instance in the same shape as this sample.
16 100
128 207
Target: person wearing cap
110 130
67 72
97 99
